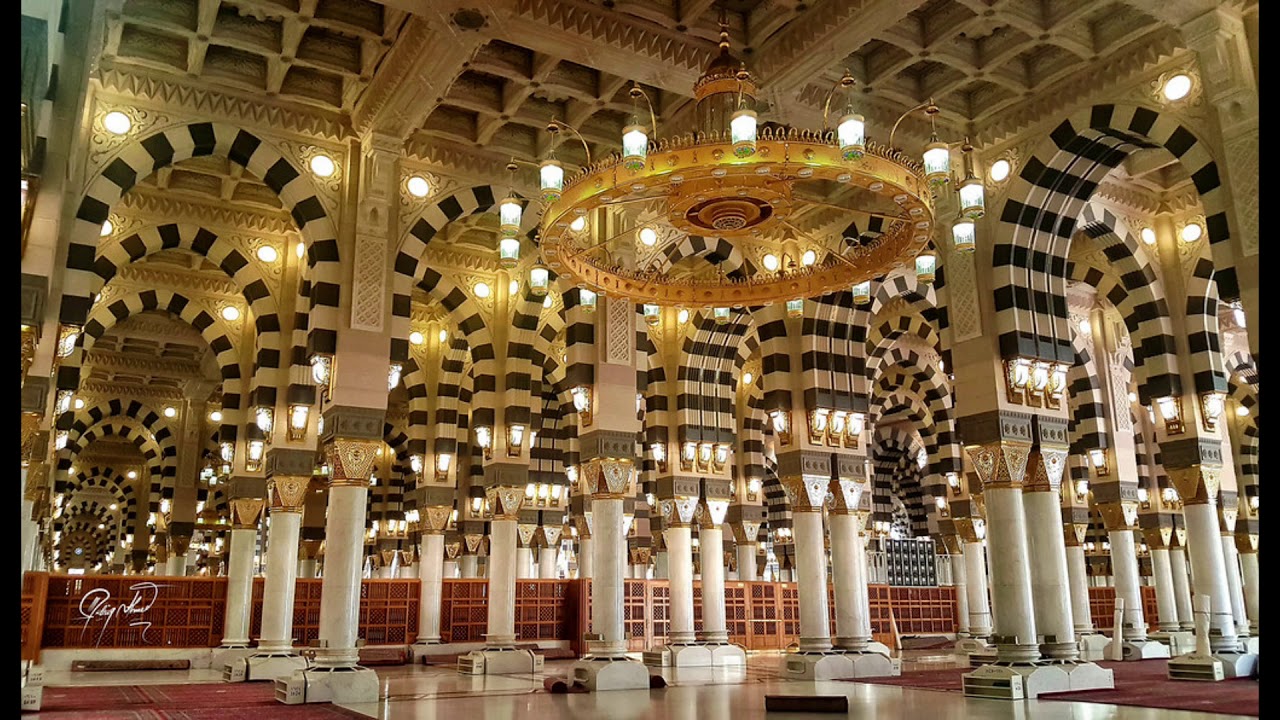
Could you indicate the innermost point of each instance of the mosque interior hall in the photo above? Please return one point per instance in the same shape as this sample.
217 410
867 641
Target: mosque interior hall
715 359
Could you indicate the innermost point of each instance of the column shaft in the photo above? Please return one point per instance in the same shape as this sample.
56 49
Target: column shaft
1124 567
1181 587
586 557
1049 576
848 574
747 571
235 631
343 566
680 552
661 566
811 561
1209 569
975 566
1166 606
1249 563
1014 625
469 567
1078 574
606 585
279 587
176 565
502 583
431 577
714 629
959 581
524 563
547 563
1232 564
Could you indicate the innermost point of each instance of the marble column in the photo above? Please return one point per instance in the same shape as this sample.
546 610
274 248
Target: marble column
1050 581
1014 619
586 557
961 585
468 565
1209 568
546 563
287 497
661 566
1235 588
524 563
433 520
746 554
811 562
1181 587
711 536
343 566
606 583
502 578
176 565
1249 564
849 576
450 569
680 554
1124 568
244 531
1166 605
975 570
1078 574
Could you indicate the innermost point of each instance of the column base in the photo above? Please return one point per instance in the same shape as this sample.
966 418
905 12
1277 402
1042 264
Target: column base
420 649
871 663
1180 643
224 656
1016 681
1213 668
1251 644
1138 650
965 646
263 666
678 655
499 661
816 666
983 657
1093 646
337 685
600 674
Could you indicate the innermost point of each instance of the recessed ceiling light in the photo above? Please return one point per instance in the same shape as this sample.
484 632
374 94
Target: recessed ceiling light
230 313
809 258
771 262
116 122
419 187
170 411
1000 170
79 403
216 416
683 316
416 338
514 287
648 236
546 301
132 475
323 166
481 290
1148 236
1192 232
267 254
1085 327
1241 410
1177 87
747 378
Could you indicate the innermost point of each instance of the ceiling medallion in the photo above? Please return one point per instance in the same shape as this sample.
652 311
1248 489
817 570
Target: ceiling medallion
752 188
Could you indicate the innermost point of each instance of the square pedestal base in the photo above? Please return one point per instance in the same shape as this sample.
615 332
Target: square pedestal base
1179 642
1016 682
1145 650
796 666
969 645
267 666
727 654
227 656
1251 645
499 662
338 685
603 674
678 656
420 651
871 663
881 648
985 656
1087 676
1093 646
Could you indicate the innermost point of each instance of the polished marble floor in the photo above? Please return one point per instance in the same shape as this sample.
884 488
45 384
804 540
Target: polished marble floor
440 693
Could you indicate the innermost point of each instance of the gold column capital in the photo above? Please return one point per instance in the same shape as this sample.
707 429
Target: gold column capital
679 511
350 461
288 493
1118 515
1157 538
1073 534
807 493
245 512
746 532
710 513
1044 469
846 496
1000 464
1196 484
178 545
608 478
434 519
505 501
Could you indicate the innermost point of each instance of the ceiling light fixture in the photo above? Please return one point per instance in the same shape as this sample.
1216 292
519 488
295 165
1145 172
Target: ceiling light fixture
230 313
418 186
323 166
1177 87
117 123
267 254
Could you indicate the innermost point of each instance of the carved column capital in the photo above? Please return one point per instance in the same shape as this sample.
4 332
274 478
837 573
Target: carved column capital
433 519
288 493
245 512
807 493
608 478
1196 484
847 496
1000 464
1044 469
350 461
710 513
505 501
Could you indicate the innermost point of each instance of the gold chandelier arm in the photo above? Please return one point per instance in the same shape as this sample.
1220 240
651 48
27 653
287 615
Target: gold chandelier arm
902 117
635 91
574 130
845 81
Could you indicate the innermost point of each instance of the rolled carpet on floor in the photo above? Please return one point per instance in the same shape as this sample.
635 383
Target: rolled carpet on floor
1142 683
205 701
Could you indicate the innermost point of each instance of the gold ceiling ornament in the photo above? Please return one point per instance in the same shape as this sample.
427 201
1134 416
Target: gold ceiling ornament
733 183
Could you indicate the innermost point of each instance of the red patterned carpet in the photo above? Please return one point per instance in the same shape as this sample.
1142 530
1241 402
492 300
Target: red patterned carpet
1143 684
213 701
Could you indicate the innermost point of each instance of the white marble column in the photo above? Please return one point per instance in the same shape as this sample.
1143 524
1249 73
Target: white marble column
1011 575
343 567
547 563
661 566
450 569
176 565
714 630
1166 606
848 575
307 568
524 563
1234 586
468 565
235 629
1249 564
502 582
960 582
431 577
280 584
607 582
1050 581
1124 568
586 557
975 567
1078 575
1204 546
746 554
811 563
680 556
1181 587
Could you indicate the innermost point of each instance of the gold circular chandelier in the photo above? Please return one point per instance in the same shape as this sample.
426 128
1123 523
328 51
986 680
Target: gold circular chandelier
738 189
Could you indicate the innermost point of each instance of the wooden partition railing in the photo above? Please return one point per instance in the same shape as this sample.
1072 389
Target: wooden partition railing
140 612
1102 605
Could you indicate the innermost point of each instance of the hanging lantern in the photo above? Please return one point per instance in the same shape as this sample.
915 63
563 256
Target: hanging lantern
964 235
509 213
320 365
742 131
264 417
862 293
937 162
926 266
795 308
652 314
851 134
539 280
508 252
551 173
635 147
587 299
972 198
721 315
